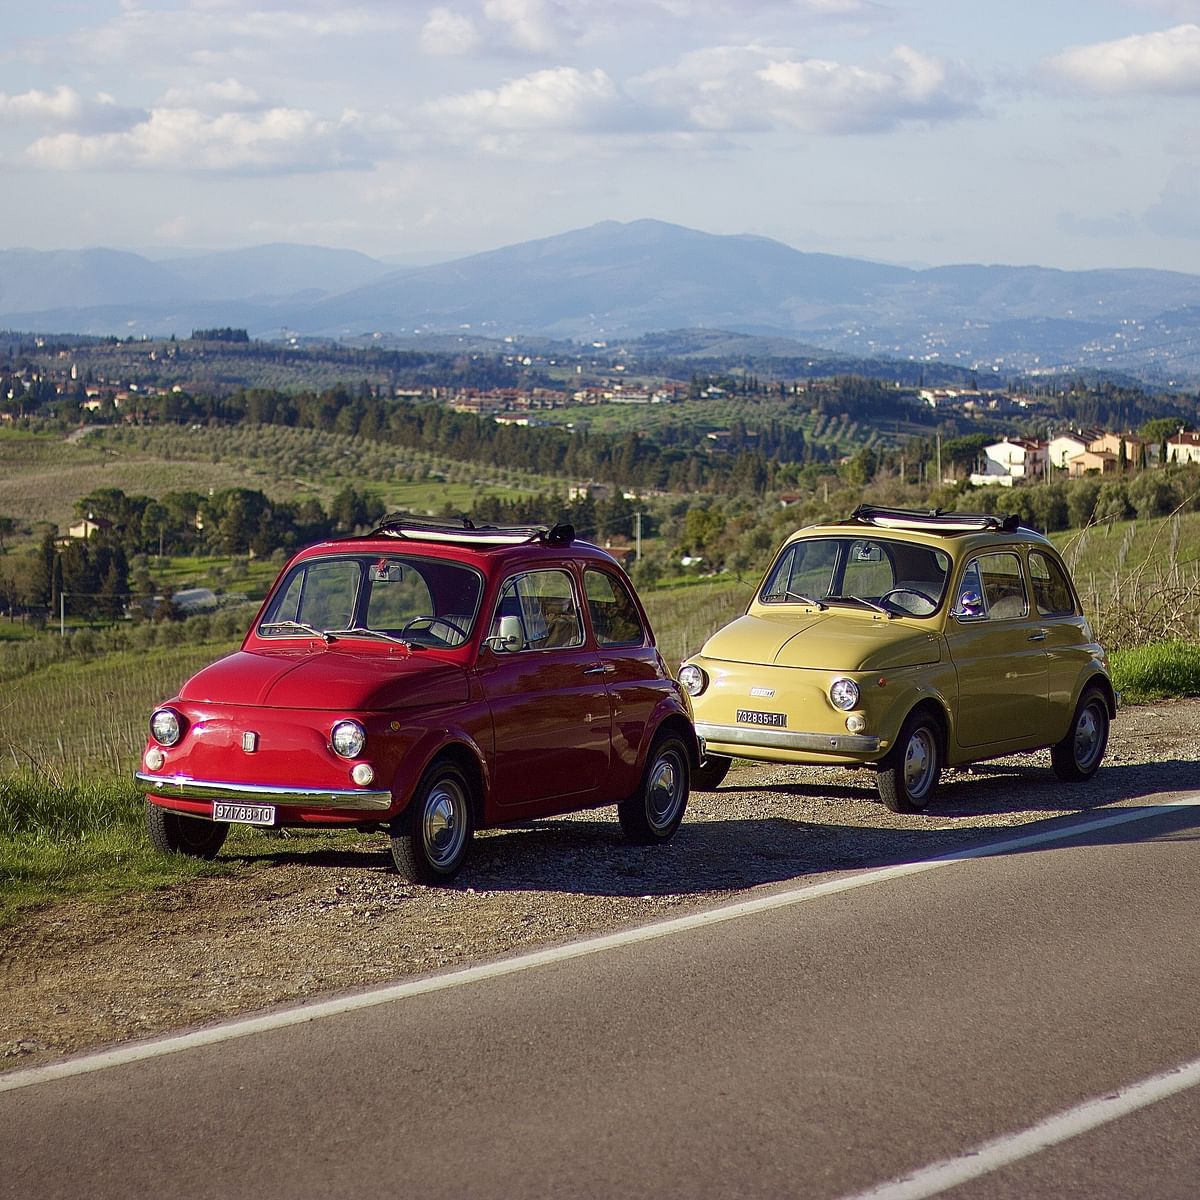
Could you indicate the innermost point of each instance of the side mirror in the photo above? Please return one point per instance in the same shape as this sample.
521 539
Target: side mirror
970 605
510 637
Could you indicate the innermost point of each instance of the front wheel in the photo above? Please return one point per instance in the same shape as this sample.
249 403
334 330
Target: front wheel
1077 757
431 845
652 814
710 774
173 833
909 774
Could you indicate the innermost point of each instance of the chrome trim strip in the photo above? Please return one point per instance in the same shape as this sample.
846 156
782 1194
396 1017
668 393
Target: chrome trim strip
183 788
779 739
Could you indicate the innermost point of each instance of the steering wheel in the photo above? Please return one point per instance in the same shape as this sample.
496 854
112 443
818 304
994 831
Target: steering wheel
430 623
907 591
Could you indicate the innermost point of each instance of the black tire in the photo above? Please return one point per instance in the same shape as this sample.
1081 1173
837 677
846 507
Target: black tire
431 844
710 774
652 814
173 833
1077 757
909 775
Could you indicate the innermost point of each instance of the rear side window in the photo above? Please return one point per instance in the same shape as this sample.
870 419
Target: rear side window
1051 591
614 614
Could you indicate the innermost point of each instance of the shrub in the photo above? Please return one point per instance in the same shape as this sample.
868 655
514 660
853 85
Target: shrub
1154 672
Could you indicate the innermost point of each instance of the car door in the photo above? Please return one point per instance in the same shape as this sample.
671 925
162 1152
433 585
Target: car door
1068 643
633 670
998 652
545 687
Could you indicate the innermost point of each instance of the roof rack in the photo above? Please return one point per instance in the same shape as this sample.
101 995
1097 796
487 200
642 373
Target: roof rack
464 531
938 519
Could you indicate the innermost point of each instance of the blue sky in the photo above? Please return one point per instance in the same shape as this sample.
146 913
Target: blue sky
1064 133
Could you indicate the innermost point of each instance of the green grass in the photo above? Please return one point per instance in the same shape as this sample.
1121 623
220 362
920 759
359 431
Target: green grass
1143 674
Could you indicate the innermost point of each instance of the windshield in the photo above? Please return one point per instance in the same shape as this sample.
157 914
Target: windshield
898 578
423 602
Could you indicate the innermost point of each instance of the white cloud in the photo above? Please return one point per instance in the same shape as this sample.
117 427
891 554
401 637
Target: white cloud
278 140
532 26
65 106
1167 61
755 87
228 95
558 98
448 33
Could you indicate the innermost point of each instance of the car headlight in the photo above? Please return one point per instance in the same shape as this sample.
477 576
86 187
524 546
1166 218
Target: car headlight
844 694
693 679
348 739
165 726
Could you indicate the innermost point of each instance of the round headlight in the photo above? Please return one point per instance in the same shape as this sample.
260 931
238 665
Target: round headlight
165 726
348 739
844 694
693 679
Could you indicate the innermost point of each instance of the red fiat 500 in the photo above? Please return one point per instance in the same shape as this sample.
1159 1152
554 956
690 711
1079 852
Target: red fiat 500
428 679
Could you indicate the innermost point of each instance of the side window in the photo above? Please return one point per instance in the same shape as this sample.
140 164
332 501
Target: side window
614 614
1051 591
544 604
992 587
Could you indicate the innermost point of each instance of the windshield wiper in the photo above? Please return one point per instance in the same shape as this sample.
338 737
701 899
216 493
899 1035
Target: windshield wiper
363 631
298 627
879 608
803 599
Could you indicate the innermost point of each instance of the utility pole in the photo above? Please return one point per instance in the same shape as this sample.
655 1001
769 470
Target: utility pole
637 526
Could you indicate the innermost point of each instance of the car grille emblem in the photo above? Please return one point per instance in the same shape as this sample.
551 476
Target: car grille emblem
249 741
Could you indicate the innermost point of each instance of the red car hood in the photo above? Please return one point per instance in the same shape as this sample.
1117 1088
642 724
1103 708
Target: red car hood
332 678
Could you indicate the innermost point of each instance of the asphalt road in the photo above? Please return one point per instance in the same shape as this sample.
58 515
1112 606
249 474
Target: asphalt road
818 1041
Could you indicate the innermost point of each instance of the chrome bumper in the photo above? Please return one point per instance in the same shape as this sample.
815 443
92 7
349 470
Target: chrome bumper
180 787
783 739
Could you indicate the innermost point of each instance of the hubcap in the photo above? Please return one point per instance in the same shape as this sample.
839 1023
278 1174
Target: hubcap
1087 737
663 792
443 823
919 759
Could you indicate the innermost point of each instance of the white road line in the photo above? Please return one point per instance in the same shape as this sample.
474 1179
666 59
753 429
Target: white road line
991 1156
249 1026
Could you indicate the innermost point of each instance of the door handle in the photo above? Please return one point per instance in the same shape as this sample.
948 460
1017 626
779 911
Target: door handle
600 669
1039 636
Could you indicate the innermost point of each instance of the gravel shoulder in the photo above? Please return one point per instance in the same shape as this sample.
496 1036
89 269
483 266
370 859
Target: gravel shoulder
295 924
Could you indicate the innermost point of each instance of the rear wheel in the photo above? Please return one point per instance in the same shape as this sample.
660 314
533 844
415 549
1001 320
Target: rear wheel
653 812
432 844
710 774
173 833
909 775
1077 757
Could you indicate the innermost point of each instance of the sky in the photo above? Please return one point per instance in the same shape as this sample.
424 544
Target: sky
1063 133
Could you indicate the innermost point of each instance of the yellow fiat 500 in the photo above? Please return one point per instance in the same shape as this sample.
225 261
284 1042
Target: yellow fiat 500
906 641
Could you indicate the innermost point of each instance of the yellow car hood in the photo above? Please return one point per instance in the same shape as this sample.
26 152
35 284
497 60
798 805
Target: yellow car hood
829 641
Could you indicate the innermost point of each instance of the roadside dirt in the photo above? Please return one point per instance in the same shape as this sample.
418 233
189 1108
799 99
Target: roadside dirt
293 924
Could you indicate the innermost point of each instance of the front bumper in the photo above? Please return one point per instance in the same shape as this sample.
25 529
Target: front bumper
753 736
180 787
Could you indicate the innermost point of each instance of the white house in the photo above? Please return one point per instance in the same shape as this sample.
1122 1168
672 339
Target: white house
1009 460
1183 447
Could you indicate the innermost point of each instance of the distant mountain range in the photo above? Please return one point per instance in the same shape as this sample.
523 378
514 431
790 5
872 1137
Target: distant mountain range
616 281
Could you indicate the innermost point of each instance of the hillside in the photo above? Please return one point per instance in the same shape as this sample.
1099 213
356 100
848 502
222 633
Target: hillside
615 280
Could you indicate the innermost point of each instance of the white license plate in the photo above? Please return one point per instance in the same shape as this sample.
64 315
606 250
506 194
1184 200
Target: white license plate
247 814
